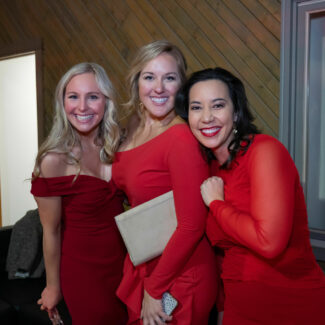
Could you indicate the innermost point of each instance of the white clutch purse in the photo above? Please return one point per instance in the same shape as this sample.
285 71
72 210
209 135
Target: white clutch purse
147 228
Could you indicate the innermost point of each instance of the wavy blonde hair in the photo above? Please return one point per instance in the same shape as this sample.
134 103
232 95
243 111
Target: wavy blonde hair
63 137
145 54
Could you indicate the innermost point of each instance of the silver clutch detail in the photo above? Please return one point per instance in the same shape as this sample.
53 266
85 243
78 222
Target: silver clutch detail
169 303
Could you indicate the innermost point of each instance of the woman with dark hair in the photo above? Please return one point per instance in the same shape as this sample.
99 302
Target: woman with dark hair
257 209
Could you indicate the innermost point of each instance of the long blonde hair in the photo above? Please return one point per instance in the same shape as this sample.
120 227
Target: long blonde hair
145 54
63 137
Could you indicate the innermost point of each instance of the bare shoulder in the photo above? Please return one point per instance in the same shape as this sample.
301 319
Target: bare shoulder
53 165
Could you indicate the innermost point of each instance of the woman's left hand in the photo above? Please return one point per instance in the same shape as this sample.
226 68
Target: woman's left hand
152 312
212 189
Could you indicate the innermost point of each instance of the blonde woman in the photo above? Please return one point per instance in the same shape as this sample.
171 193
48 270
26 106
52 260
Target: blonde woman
160 154
77 200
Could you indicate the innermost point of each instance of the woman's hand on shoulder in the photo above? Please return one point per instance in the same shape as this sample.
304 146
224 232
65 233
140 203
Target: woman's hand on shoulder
212 189
152 312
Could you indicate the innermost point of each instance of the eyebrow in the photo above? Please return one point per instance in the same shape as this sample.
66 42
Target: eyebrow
213 101
149 72
89 92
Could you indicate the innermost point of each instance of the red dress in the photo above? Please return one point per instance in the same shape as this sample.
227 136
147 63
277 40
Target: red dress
187 267
269 271
92 251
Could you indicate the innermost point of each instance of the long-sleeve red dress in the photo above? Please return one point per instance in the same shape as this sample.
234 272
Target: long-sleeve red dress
187 267
92 251
269 271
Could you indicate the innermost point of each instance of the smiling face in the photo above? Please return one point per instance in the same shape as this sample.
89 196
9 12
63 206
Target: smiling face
84 103
211 116
159 82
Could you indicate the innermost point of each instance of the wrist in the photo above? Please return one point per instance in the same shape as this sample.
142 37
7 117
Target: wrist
53 287
151 290
214 203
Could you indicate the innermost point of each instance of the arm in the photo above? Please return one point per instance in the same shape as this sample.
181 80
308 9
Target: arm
187 171
49 208
267 228
50 214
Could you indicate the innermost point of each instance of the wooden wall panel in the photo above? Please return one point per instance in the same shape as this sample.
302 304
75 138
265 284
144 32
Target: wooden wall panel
240 35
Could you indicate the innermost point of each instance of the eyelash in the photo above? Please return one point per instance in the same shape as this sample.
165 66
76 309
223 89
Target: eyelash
169 78
216 106
91 97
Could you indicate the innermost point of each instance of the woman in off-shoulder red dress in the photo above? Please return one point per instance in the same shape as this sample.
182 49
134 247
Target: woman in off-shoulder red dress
158 155
92 251
77 201
257 209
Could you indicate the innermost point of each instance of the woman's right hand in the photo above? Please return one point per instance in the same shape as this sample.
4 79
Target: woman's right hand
152 312
50 297
212 189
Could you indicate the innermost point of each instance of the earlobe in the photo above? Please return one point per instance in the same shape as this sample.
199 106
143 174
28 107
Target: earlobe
235 117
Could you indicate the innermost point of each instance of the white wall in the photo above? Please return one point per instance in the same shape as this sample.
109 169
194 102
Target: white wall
18 135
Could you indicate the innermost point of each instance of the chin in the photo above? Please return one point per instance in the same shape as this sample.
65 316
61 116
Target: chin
158 113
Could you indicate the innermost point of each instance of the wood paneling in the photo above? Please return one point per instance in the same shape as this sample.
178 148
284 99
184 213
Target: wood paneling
242 36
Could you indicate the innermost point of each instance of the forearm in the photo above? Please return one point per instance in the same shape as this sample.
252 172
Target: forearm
50 215
255 234
52 255
176 254
216 235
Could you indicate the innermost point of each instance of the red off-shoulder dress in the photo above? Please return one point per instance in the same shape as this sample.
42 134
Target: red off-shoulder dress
269 271
187 267
92 251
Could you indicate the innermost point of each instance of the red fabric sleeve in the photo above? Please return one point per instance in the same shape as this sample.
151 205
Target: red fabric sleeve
272 174
52 186
216 235
187 171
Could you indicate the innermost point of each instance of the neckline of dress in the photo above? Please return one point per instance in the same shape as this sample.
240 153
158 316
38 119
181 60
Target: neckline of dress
151 140
80 175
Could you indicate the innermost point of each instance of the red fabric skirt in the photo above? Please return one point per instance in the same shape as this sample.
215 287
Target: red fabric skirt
195 290
253 303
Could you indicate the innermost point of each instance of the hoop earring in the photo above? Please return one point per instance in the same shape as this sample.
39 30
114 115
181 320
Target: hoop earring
234 129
